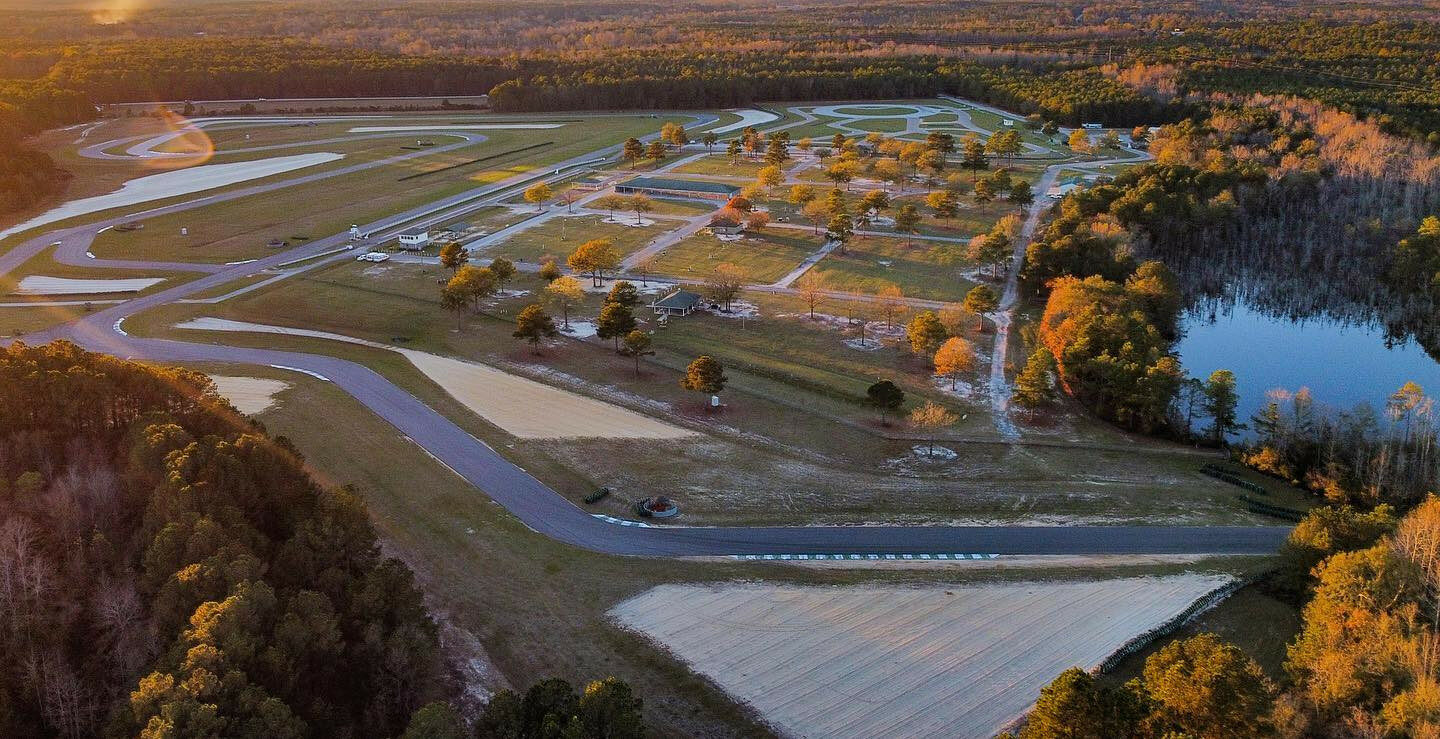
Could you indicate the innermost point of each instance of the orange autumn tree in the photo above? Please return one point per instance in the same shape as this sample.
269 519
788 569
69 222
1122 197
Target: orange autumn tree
1111 350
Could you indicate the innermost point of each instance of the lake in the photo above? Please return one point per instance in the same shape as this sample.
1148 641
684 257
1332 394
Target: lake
1343 364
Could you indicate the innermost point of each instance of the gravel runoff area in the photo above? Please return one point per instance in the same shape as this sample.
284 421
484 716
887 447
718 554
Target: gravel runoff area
924 661
43 285
520 406
249 395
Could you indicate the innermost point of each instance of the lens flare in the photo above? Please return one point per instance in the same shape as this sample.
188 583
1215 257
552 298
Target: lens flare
186 144
111 12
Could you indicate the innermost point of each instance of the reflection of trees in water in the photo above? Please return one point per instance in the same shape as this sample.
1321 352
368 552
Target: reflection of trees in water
1290 287
1314 241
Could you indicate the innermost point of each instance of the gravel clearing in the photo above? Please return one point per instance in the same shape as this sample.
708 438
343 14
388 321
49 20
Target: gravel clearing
871 661
42 285
249 395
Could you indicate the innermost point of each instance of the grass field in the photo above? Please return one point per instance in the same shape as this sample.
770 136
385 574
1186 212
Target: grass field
874 110
872 263
879 125
763 256
559 236
21 321
741 167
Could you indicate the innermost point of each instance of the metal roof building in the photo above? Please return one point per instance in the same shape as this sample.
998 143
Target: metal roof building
674 188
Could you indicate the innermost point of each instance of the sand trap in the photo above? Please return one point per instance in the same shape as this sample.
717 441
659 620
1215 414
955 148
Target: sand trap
748 117
42 285
249 395
467 127
933 661
522 407
172 184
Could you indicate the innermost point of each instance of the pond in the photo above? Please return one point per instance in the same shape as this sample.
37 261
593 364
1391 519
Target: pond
1343 363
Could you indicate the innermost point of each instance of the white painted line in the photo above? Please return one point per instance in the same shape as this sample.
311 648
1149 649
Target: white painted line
103 230
243 261
90 254
620 521
116 327
315 375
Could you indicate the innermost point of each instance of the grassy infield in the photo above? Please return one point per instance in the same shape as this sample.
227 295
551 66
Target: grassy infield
793 421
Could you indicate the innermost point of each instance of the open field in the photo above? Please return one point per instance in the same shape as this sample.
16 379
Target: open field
867 661
559 236
20 320
931 270
721 164
762 256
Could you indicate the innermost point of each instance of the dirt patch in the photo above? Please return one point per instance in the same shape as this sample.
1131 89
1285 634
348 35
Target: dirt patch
961 660
249 395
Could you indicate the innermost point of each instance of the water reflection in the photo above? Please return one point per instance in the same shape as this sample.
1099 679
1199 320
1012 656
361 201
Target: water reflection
1344 361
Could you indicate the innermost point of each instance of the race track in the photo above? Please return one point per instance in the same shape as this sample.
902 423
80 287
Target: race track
539 507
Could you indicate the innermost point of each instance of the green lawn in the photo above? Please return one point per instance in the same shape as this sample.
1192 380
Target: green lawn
678 207
741 167
879 125
872 263
21 321
873 111
560 235
763 256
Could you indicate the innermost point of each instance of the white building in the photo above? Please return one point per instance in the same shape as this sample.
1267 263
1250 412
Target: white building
414 238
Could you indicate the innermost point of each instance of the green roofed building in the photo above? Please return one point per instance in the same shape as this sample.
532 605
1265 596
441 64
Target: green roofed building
677 303
664 187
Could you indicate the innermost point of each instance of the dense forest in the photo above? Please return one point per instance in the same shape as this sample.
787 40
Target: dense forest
168 569
1123 63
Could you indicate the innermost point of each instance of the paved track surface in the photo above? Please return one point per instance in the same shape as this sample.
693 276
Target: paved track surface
530 500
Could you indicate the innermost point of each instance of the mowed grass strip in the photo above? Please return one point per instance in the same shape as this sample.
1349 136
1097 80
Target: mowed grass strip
762 256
